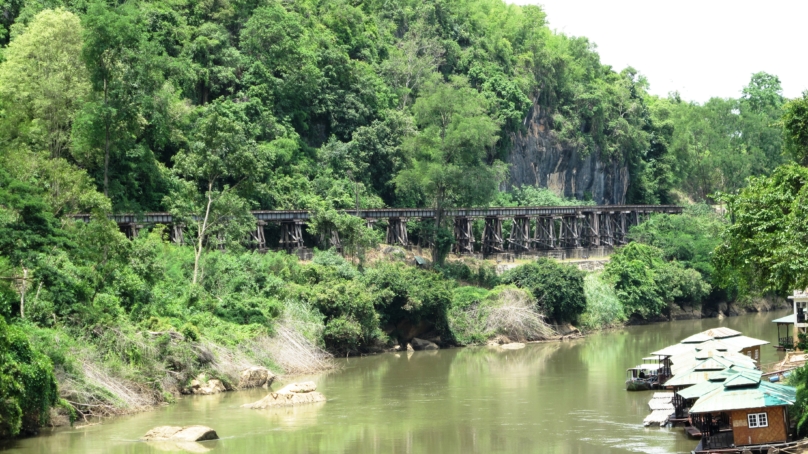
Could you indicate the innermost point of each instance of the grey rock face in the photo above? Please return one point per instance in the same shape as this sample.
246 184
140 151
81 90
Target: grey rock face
538 158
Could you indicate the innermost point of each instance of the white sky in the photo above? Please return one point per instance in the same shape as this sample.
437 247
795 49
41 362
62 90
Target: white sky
704 49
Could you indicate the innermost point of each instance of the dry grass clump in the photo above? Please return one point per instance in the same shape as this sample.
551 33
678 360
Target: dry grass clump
515 316
294 353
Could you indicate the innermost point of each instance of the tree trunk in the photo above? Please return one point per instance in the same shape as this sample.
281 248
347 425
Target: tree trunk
106 143
22 292
201 234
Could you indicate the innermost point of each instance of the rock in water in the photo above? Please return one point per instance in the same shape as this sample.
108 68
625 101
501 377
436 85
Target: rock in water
177 433
292 394
420 344
201 387
302 387
255 377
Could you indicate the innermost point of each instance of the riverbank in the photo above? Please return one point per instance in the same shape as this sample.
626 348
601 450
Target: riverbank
555 396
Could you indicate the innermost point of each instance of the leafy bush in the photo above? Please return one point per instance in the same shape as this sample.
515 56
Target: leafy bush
27 385
559 289
405 293
603 308
646 284
478 315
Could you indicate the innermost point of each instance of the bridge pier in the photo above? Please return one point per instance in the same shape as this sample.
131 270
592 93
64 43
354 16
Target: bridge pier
571 231
606 229
259 237
592 229
177 235
132 229
333 240
492 235
397 232
545 235
291 235
520 234
464 235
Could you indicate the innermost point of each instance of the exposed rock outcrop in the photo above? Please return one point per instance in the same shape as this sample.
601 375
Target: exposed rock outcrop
256 377
200 386
177 433
421 344
292 394
539 158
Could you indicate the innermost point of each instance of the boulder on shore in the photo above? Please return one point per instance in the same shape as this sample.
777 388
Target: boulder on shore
421 344
256 377
177 433
201 387
292 394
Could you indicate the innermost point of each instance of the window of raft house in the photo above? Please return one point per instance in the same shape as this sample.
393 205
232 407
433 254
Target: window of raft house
757 420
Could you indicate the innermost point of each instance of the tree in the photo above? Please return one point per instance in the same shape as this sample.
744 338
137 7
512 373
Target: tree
416 56
448 154
43 81
221 158
763 92
795 128
109 123
768 235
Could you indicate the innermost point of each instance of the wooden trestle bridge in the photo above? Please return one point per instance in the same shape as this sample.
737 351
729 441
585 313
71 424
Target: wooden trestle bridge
565 227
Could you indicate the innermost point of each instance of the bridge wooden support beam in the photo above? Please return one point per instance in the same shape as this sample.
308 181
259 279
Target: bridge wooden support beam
546 234
397 232
571 231
464 235
177 234
291 235
258 236
606 228
492 235
131 229
519 240
591 229
331 240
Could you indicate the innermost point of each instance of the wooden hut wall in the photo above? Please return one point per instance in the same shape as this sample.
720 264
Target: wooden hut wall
752 352
776 431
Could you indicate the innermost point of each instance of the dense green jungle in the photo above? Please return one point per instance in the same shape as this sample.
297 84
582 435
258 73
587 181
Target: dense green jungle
210 109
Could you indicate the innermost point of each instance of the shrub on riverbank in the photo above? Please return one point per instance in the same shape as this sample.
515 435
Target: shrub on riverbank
27 386
478 315
558 288
645 283
603 307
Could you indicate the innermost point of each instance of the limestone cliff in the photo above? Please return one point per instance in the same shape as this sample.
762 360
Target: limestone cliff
539 158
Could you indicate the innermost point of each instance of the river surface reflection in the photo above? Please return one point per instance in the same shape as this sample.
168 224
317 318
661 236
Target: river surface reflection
565 397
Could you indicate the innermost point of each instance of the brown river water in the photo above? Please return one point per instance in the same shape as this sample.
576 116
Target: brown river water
564 397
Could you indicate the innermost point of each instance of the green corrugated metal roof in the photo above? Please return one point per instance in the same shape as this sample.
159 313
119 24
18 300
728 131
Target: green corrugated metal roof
697 339
690 377
790 318
763 395
717 380
705 370
701 389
